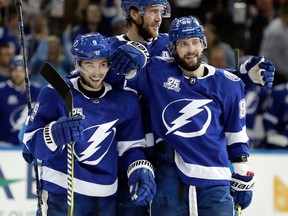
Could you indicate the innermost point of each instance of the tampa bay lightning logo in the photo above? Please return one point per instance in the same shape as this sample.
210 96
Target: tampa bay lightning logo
18 117
187 118
100 139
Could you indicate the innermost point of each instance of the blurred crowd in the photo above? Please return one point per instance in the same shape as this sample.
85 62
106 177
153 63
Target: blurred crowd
256 27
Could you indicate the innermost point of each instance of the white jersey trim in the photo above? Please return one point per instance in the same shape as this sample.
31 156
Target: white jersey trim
123 146
80 186
237 137
202 172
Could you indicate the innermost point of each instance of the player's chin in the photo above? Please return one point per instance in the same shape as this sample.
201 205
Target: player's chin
154 32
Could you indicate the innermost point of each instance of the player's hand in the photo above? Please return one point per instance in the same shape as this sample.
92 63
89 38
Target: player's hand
26 154
65 130
259 70
242 189
141 183
128 58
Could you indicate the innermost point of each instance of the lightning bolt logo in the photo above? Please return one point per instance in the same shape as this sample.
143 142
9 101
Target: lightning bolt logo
102 132
190 110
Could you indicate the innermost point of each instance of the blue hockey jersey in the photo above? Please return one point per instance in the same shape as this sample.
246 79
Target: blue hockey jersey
113 129
201 118
13 110
276 116
157 47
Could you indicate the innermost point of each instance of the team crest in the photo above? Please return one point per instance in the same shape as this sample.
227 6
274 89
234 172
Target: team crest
231 76
172 84
187 118
100 139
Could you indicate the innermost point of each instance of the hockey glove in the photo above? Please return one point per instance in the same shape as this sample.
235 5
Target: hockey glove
241 189
141 182
26 154
259 70
63 131
128 59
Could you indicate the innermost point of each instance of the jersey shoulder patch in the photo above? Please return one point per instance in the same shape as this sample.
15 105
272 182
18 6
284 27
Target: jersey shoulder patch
231 76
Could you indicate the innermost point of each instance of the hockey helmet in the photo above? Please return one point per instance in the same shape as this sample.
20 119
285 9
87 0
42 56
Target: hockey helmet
142 4
186 27
90 46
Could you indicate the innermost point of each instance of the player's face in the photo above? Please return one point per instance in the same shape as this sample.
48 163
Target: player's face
152 21
189 53
93 72
17 76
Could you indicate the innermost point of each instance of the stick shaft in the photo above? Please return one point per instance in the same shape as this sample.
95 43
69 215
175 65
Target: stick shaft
59 84
239 210
22 43
236 55
18 4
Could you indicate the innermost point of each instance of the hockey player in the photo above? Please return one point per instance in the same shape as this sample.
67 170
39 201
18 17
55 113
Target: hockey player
198 118
105 125
13 108
144 18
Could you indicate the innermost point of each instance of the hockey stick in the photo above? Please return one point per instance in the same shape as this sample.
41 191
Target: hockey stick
18 4
59 84
239 210
236 56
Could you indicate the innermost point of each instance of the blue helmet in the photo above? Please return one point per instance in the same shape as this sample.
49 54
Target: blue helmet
186 27
16 62
142 4
90 46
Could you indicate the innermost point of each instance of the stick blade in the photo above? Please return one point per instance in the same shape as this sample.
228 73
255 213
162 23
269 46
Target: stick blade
59 84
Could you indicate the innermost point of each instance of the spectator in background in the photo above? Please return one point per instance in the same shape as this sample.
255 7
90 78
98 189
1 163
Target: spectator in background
261 14
276 118
13 108
274 45
39 31
6 54
11 26
49 50
213 39
218 14
119 25
217 57
91 22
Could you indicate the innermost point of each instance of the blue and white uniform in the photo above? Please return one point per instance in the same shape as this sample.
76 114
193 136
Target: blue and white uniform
276 118
113 128
13 110
199 126
199 116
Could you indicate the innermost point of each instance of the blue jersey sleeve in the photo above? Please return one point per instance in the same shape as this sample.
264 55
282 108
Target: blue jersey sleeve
234 116
48 107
